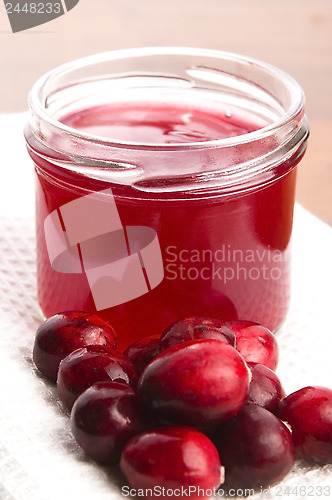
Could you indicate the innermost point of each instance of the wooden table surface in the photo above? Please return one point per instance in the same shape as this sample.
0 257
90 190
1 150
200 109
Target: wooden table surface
295 35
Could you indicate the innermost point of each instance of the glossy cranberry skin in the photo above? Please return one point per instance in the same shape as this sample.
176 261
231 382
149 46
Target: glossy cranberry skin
88 365
196 327
309 413
256 448
173 458
198 382
143 351
265 388
105 417
256 343
65 332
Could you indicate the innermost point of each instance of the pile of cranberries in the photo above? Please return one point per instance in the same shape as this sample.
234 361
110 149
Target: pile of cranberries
198 407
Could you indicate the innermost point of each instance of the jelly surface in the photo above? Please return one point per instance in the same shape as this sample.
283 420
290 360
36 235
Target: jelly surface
156 123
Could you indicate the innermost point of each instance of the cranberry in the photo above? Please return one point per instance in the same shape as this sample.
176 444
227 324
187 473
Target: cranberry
196 327
182 460
309 413
143 351
198 382
256 343
62 333
265 388
83 367
105 417
256 448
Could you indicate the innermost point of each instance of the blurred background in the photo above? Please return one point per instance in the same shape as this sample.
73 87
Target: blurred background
295 35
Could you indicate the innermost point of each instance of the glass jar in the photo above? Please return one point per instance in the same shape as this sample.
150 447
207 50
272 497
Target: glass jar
165 182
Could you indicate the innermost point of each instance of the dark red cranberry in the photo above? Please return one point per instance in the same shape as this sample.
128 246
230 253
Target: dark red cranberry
105 417
65 332
88 365
256 343
175 458
309 413
256 449
196 327
143 351
265 388
198 382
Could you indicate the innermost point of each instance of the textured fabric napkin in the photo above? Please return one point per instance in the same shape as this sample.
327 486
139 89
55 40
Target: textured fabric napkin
39 459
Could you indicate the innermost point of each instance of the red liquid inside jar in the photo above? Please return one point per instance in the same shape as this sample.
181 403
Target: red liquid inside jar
173 250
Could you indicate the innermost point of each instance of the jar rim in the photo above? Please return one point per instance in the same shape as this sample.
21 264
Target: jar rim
38 105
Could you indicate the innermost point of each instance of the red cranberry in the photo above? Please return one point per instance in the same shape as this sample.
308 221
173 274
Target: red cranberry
180 459
143 351
105 417
65 332
88 365
256 343
196 327
198 382
309 413
265 388
256 448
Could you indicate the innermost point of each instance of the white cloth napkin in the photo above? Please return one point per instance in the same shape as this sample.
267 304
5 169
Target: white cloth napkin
39 459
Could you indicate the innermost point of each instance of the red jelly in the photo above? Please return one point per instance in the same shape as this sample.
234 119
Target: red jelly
165 187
